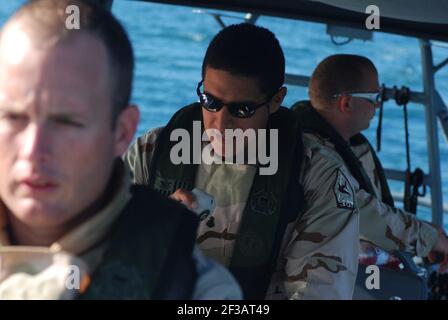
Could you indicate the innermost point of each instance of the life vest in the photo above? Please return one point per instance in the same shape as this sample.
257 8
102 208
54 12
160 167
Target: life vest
273 202
149 255
312 122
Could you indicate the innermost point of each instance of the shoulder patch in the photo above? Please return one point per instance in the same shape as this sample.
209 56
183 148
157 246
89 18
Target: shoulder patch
343 191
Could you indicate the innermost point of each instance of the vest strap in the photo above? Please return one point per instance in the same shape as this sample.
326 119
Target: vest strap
149 255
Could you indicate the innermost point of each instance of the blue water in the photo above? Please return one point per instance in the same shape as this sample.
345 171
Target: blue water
170 41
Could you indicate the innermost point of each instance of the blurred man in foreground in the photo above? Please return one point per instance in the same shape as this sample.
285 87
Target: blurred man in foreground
65 121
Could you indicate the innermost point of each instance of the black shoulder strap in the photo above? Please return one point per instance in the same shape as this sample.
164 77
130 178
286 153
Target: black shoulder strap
386 195
164 176
149 253
274 201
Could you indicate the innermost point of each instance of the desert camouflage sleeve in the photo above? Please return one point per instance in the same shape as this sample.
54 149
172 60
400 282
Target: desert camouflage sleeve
139 155
392 228
322 255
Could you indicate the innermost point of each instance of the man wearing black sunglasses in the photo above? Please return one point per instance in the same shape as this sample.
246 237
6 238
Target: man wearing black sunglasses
345 92
284 235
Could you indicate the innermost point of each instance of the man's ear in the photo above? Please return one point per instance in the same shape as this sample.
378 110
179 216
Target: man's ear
344 104
277 100
125 128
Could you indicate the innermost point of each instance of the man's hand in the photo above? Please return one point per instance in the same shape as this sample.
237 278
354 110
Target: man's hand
186 197
441 247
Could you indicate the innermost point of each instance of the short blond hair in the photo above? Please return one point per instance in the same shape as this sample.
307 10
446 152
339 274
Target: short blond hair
45 22
336 74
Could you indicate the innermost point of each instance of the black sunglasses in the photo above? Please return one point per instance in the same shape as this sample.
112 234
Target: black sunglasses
236 109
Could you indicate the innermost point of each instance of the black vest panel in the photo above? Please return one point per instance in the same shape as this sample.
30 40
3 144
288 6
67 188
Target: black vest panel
149 254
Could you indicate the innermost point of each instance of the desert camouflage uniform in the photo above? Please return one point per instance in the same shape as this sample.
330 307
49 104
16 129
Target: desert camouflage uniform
389 228
319 252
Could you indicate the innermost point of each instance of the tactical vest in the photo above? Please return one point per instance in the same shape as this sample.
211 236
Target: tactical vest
149 255
273 202
313 122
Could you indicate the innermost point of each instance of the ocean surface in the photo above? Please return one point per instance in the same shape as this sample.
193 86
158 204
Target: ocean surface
170 41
